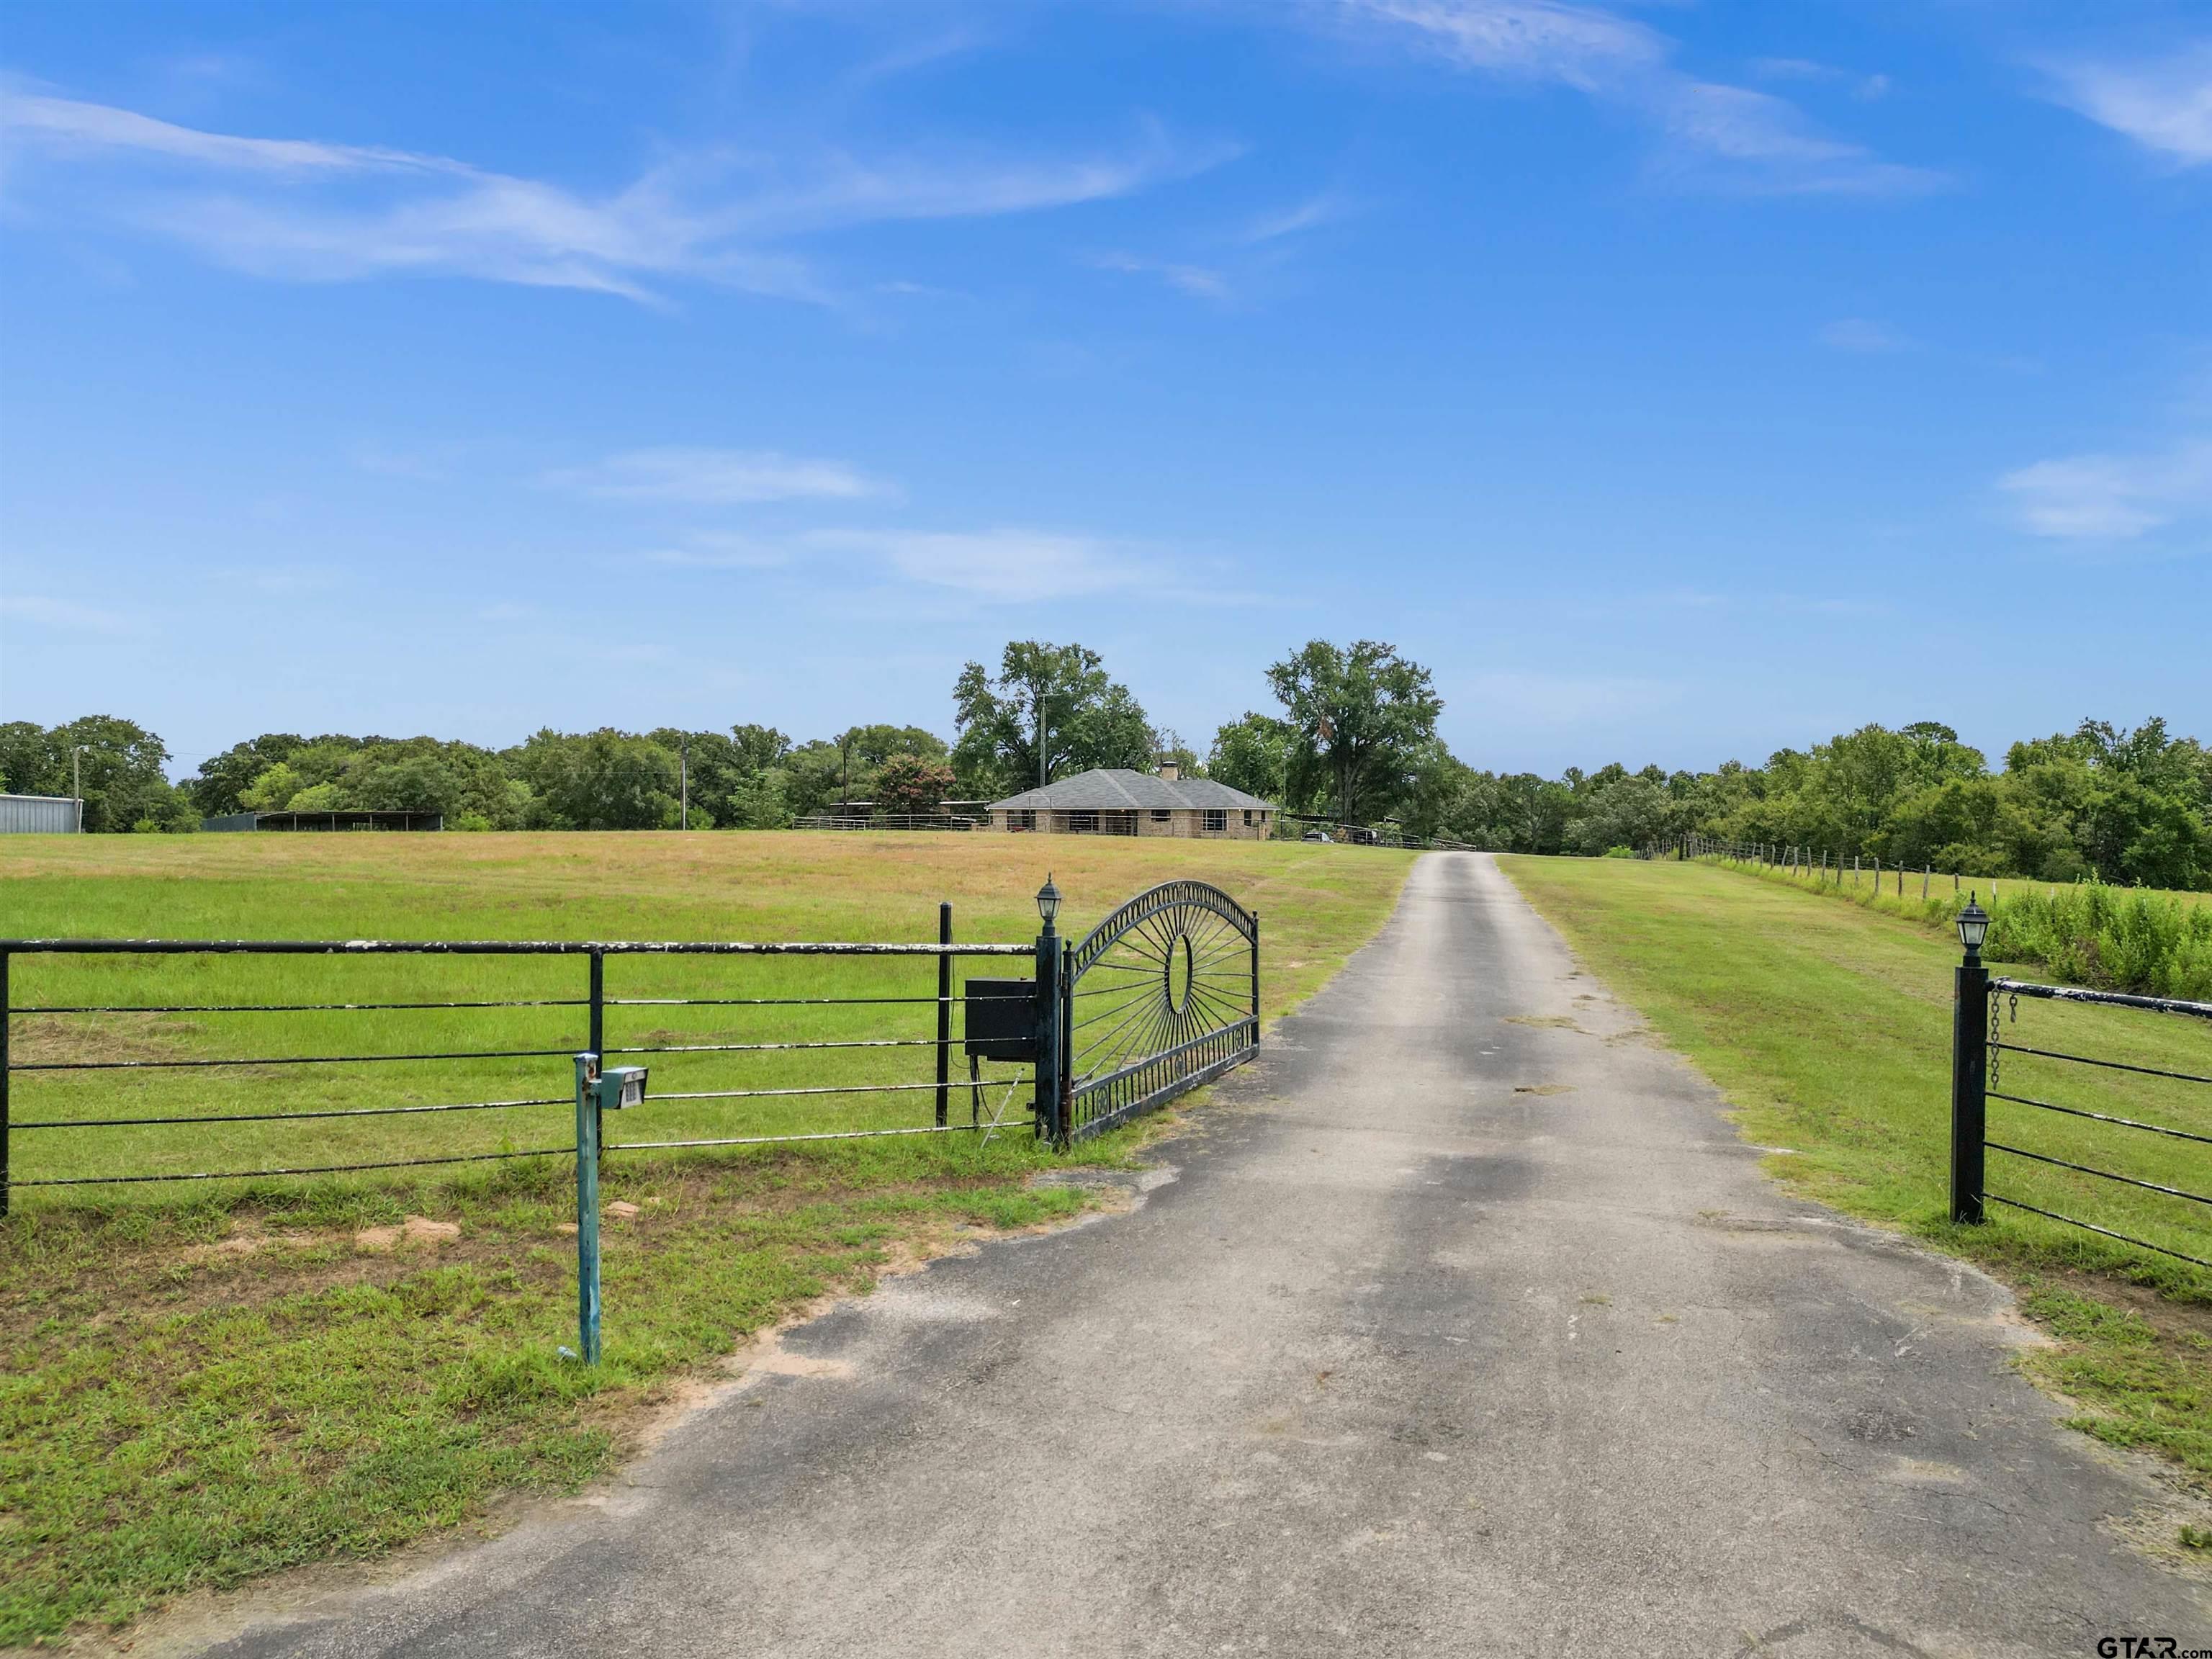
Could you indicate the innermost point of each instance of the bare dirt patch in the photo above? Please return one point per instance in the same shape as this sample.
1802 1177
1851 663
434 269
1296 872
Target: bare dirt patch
414 1229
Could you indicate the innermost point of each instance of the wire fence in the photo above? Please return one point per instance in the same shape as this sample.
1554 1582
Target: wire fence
1822 867
947 821
2101 1113
2104 1153
126 1062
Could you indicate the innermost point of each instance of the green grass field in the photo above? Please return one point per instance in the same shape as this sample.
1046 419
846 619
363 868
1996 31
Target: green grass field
1828 1026
878 888
206 1381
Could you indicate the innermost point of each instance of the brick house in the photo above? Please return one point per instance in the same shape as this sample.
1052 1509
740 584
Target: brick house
1117 801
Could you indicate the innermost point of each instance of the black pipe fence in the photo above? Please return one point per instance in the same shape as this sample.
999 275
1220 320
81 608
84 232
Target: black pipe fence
1986 1008
100 1090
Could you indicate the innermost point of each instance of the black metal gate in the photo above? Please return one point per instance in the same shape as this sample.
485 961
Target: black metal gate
1161 997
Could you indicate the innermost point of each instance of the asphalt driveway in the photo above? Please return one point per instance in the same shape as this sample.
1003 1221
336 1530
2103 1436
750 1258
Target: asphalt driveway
1463 1325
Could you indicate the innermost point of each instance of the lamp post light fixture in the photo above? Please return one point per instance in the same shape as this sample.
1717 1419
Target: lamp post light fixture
1973 928
1047 902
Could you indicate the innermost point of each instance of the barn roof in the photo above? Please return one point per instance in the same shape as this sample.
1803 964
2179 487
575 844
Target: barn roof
1119 789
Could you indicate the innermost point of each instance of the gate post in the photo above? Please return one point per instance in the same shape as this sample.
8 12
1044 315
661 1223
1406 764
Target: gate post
1970 1065
596 1045
587 1205
1255 980
1048 1004
943 1010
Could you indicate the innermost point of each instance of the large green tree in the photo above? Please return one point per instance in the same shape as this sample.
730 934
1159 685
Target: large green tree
120 766
603 779
1363 719
1051 710
1253 753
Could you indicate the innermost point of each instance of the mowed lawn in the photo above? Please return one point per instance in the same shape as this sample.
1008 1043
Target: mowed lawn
206 1381
1828 1027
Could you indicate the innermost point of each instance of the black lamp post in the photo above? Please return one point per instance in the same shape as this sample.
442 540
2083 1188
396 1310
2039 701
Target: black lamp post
1970 1065
1047 902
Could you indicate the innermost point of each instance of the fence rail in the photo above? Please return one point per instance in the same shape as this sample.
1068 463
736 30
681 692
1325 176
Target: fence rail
1980 1052
1185 942
249 1070
890 820
75 1062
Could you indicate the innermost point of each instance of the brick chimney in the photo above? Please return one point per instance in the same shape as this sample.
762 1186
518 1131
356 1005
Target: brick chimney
1169 771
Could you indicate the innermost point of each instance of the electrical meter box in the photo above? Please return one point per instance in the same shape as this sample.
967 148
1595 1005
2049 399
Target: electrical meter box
1001 1019
622 1086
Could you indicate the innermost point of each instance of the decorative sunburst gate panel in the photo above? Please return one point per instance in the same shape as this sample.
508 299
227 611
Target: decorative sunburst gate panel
1162 996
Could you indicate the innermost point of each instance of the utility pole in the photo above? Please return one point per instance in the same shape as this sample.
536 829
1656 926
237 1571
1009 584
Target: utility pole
1042 779
683 784
77 784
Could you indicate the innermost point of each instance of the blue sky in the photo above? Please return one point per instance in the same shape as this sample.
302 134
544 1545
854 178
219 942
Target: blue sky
1677 381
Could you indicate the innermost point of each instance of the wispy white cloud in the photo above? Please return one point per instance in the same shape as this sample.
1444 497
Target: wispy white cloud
1290 221
715 550
716 476
1861 334
1866 87
1200 280
2101 497
41 611
309 210
1712 133
1003 565
2165 105
68 126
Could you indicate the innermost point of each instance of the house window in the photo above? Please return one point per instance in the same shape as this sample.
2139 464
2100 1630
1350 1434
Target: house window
1217 820
1083 824
1248 817
1024 820
1161 815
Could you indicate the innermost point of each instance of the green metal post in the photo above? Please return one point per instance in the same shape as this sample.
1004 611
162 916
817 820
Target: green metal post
587 1206
595 1041
943 1011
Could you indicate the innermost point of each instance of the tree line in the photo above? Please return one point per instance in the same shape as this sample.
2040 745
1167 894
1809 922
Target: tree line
1353 739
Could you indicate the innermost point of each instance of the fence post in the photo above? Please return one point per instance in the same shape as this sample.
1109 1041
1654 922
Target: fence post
943 1010
1970 1066
597 1044
1066 1033
7 1019
587 1203
1047 1034
1255 980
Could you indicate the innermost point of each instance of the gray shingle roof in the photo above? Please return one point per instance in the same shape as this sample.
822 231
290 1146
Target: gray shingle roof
1118 789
